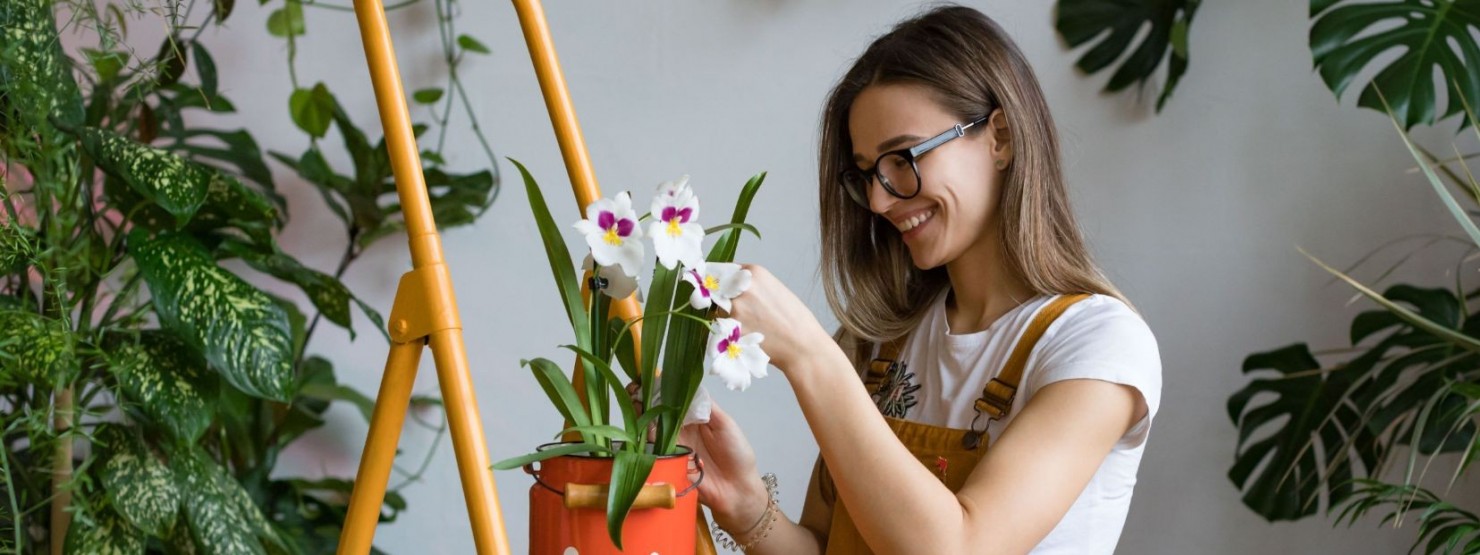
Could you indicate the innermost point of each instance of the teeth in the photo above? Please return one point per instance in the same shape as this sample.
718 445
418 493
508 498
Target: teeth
915 221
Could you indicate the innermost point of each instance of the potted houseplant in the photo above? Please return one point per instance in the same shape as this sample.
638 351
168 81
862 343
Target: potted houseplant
589 494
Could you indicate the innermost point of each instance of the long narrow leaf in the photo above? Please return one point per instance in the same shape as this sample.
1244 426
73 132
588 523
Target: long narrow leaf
724 249
655 327
1457 338
1443 191
558 253
629 473
602 430
559 389
537 456
629 418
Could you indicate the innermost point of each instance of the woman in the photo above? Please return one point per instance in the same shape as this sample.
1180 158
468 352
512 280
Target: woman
948 245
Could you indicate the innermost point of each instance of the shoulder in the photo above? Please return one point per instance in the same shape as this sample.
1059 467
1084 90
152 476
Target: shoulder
1100 337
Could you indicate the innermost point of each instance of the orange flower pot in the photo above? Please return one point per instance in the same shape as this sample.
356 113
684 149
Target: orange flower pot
567 508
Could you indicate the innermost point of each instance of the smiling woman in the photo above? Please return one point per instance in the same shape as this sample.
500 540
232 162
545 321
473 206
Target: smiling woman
990 391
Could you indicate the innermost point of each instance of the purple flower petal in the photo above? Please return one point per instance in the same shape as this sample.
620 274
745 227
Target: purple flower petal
625 226
684 214
669 212
605 220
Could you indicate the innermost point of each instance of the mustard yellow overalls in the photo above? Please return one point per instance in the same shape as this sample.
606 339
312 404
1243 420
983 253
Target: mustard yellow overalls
948 452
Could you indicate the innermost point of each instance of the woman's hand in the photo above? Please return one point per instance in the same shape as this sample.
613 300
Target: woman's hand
770 308
731 489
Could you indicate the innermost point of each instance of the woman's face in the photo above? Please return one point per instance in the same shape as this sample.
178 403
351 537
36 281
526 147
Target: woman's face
957 204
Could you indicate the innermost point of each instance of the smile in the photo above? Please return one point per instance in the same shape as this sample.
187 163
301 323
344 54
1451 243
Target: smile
914 221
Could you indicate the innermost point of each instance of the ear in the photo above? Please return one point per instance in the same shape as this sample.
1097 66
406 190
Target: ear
1000 141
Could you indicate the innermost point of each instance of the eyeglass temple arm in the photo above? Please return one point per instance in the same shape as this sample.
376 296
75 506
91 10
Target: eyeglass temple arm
958 131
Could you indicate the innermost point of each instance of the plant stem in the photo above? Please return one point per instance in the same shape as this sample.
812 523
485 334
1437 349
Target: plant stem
61 471
17 520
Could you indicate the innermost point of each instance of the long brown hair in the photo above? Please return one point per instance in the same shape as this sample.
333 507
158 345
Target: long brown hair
972 67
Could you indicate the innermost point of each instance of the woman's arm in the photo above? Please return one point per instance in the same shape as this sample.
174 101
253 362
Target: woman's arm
1022 488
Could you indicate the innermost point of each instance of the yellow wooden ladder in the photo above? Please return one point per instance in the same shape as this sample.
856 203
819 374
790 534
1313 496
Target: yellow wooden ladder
425 310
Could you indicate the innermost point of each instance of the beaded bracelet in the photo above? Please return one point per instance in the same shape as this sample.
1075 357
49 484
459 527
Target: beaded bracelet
762 526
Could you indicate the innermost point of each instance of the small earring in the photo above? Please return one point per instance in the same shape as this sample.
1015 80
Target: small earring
1001 163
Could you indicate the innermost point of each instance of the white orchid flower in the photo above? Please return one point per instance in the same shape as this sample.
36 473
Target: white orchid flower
716 283
619 285
734 357
675 188
676 233
611 230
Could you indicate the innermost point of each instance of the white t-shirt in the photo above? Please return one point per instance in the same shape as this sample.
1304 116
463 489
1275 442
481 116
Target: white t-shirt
1097 338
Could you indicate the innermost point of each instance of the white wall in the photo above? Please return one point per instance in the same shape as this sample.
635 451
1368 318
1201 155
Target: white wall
1195 213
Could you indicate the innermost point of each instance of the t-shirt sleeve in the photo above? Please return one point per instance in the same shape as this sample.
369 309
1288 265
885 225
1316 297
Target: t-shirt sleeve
1101 338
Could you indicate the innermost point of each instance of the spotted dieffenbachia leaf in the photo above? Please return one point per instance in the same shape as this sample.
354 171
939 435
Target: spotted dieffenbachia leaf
174 183
34 71
140 487
221 516
102 533
34 349
328 295
166 380
243 334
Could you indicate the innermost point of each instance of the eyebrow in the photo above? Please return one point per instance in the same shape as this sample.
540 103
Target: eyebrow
890 145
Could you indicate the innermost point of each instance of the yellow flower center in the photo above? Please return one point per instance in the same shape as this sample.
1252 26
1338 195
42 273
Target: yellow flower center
612 238
733 351
673 229
711 283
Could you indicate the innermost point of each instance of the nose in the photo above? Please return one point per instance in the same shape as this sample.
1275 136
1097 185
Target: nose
879 199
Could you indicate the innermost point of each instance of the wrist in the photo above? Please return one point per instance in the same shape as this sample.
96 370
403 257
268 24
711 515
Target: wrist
752 503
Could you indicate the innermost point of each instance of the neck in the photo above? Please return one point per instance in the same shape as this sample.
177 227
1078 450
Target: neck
983 288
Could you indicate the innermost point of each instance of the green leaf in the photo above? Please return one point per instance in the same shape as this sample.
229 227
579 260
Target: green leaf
472 45
739 226
167 380
1458 339
558 254
655 316
629 473
1118 22
613 381
205 67
222 517
286 21
36 72
600 430
103 533
337 392
242 333
724 249
625 350
329 295
1423 38
34 349
107 63
559 389
550 453
427 96
312 109
374 317
140 486
170 61
175 184
1455 210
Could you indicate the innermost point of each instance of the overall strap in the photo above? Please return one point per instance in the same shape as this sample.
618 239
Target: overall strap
997 396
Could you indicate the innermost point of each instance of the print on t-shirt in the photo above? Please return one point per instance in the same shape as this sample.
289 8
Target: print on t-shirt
896 396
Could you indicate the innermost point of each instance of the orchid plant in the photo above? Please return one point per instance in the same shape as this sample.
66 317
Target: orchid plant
681 329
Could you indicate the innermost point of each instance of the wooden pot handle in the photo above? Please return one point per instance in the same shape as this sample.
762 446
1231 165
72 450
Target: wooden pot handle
593 496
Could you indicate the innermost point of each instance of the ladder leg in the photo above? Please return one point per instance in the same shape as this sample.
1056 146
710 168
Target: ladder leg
380 448
473 465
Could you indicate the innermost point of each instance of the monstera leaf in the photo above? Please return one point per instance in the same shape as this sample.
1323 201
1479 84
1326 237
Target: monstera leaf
242 331
1333 425
1119 21
1426 35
